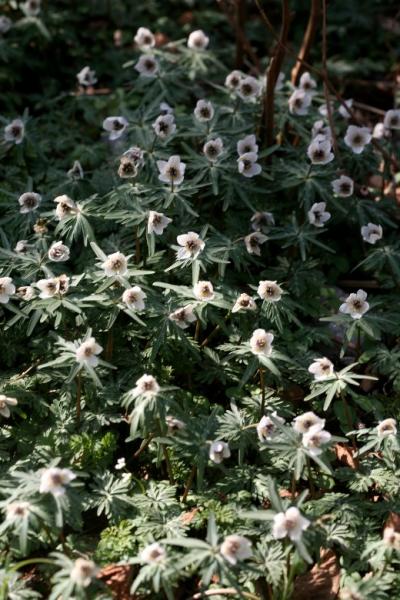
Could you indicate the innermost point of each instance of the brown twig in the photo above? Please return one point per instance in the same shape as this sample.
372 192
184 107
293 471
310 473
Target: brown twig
189 483
325 77
241 39
307 41
145 443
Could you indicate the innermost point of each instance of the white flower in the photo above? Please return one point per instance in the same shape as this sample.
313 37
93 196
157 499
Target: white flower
204 111
314 438
147 65
213 148
198 40
29 202
248 88
304 422
244 302
146 385
7 289
344 186
246 145
115 126
307 83
86 77
320 129
14 132
76 171
317 215
371 233
164 126
58 252
174 424
127 168
55 285
233 80
26 292
31 7
267 429
262 219
391 538
218 451
320 151
235 547
17 510
83 571
54 480
387 427
280 81
87 352
379 131
253 242
392 119
171 171
248 165
343 109
321 368
121 464
191 244
299 102
290 523
204 291
355 305
157 222
261 342
183 317
135 154
323 109
269 291
357 138
134 298
153 553
144 38
5 402
5 24
116 264
21 247
65 207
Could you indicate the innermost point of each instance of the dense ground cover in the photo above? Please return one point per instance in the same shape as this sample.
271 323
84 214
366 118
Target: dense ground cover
199 292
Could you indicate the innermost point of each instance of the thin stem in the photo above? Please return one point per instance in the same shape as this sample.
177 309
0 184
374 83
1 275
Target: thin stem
349 425
168 463
310 477
78 397
307 40
293 487
197 331
262 385
325 72
309 171
189 483
145 443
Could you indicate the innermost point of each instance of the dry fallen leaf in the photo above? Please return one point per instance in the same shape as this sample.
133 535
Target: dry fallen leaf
322 582
393 521
344 453
187 517
118 579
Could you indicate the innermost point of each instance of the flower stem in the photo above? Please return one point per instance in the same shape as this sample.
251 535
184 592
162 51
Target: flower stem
310 478
189 483
78 397
262 385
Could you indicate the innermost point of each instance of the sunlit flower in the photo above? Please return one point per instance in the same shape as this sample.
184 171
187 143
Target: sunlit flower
218 451
5 24
171 171
127 168
269 291
5 402
320 129
289 524
26 292
320 151
213 149
29 202
246 145
261 342
233 80
154 553
65 207
387 427
198 40
134 298
146 385
191 244
244 302
355 305
87 352
304 422
371 233
317 215
115 126
262 219
157 222
343 110
144 38
344 186
235 548
267 428
121 464
299 102
14 132
164 126
248 165
76 171
86 77
307 83
135 154
115 265
204 291
357 138
249 87
204 111
391 538
58 252
253 242
7 289
174 424
147 65
321 368
183 317
31 7
17 510
379 131
314 438
52 286
392 119
54 480
83 572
